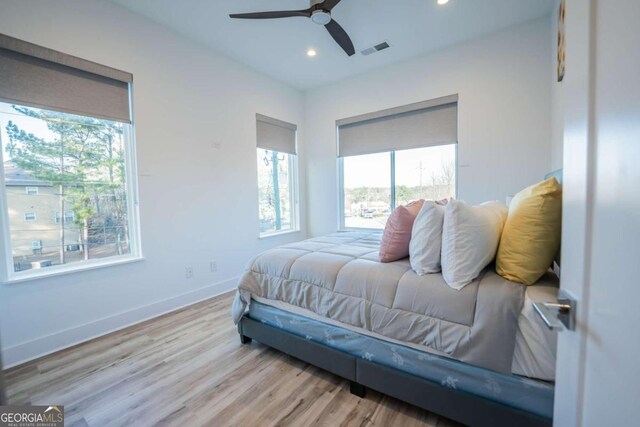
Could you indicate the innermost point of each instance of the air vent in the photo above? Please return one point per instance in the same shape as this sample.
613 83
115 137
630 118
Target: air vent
376 48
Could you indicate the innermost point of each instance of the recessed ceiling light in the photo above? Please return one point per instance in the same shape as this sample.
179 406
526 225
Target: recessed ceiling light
312 52
441 2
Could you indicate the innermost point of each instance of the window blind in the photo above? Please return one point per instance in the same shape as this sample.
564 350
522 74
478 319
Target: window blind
39 77
422 124
276 135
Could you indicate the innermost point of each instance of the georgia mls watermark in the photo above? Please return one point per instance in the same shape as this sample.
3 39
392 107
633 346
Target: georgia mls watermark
32 416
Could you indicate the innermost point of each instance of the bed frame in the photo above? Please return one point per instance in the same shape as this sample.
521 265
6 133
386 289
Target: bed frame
454 404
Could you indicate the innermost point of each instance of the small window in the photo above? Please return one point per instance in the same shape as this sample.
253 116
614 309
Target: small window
31 191
277 176
69 217
276 191
36 245
30 216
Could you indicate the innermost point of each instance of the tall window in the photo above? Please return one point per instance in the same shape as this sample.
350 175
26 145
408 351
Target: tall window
277 176
392 157
80 165
374 184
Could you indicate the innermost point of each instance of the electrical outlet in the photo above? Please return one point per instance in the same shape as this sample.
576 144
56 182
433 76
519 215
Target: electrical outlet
214 266
188 272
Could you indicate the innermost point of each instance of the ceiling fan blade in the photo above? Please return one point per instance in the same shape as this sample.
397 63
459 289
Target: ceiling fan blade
329 4
340 36
306 13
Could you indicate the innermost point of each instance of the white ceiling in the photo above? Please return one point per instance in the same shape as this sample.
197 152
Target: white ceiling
278 47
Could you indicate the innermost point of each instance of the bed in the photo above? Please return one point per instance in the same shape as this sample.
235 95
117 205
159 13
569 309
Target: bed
478 355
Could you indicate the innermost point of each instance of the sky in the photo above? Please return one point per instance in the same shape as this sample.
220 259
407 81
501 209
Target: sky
7 113
374 170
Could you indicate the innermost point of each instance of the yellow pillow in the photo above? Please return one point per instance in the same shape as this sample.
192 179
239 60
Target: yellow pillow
531 236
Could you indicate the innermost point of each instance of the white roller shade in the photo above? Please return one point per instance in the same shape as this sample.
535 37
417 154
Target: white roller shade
39 77
276 135
422 124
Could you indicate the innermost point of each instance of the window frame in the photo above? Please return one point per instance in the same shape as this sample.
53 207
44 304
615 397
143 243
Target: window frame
294 194
69 217
35 217
28 193
392 159
9 275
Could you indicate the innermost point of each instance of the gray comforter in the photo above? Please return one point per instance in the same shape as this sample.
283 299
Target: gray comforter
339 277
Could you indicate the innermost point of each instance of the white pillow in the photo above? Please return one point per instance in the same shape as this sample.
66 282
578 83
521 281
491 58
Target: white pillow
470 238
426 239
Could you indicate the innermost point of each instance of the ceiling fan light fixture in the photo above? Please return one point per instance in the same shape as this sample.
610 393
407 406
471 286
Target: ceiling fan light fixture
320 17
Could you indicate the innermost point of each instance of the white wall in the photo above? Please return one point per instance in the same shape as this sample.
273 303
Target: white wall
197 203
504 117
557 95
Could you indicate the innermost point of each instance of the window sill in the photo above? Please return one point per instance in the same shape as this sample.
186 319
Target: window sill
71 268
277 233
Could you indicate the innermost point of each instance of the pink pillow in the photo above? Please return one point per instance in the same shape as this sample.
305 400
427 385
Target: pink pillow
397 232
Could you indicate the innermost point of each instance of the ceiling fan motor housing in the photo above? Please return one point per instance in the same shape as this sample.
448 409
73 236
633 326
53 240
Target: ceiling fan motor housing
320 17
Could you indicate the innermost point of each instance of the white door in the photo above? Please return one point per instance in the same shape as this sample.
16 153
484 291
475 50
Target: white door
598 371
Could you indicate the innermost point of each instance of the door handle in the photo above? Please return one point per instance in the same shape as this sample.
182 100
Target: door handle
555 315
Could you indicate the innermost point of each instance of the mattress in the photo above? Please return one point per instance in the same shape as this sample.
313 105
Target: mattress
338 278
535 353
522 393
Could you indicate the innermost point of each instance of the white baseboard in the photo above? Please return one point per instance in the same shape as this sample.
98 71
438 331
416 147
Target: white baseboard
29 350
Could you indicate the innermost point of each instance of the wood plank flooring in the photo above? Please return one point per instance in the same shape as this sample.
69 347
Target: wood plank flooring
188 368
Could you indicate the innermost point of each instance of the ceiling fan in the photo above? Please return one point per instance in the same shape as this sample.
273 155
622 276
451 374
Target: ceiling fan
319 12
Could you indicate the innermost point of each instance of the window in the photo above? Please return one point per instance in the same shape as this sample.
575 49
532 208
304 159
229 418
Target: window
276 191
367 190
277 176
83 162
368 180
392 157
66 136
425 173
69 217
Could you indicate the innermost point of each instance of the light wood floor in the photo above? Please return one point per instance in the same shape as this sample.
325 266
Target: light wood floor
188 368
